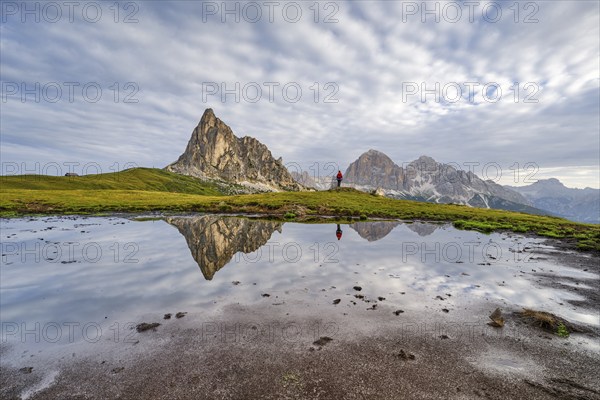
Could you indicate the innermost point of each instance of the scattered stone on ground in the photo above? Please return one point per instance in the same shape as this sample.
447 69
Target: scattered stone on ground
167 316
146 326
337 301
26 370
180 314
398 312
322 341
357 288
405 356
497 320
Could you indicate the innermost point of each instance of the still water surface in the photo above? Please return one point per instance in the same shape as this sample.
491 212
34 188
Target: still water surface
73 271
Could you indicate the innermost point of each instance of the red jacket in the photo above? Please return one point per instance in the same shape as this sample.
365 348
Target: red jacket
339 175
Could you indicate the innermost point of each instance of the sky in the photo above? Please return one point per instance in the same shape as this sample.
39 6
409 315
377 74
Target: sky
509 90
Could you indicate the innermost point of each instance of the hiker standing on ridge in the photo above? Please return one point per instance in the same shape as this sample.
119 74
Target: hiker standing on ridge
339 178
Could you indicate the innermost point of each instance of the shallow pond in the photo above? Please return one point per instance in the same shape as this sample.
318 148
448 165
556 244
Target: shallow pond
65 278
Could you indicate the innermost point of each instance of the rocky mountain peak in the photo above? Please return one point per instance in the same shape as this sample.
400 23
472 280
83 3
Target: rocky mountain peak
374 153
215 153
425 159
550 182
374 168
427 180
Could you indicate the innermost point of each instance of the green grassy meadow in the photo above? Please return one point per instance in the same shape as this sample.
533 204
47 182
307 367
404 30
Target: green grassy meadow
143 190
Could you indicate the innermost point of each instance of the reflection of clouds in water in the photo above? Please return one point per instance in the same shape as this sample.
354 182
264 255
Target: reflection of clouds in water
293 264
86 291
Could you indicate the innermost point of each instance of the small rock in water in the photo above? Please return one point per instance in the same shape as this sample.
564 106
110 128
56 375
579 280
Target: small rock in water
405 356
337 301
445 310
373 307
357 288
167 316
359 296
322 341
26 370
443 336
236 282
180 314
398 312
145 326
497 320
117 370
265 295
381 298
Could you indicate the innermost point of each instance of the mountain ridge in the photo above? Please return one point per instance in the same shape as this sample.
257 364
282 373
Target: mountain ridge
214 152
424 179
581 205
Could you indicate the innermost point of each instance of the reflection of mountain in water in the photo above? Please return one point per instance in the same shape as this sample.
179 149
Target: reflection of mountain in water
423 228
214 240
373 231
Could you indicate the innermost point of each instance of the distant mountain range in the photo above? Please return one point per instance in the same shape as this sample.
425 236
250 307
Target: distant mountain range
214 153
427 180
582 205
424 179
315 182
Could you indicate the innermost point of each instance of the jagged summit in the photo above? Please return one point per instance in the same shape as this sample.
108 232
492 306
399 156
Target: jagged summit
374 168
427 180
214 152
424 160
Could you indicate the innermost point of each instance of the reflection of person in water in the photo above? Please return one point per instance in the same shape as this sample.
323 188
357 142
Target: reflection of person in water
338 232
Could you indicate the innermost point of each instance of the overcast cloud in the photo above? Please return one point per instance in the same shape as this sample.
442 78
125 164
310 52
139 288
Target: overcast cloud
368 60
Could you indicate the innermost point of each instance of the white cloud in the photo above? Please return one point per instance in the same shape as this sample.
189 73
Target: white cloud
369 54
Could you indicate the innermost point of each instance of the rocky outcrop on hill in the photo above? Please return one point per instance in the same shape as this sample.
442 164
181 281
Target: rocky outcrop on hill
215 153
214 240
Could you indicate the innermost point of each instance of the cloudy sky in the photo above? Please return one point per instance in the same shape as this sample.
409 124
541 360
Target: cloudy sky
479 84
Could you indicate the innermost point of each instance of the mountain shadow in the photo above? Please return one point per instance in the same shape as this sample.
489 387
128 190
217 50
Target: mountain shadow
214 240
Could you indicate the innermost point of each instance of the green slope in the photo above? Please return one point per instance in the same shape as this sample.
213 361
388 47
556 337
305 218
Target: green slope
144 179
343 203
